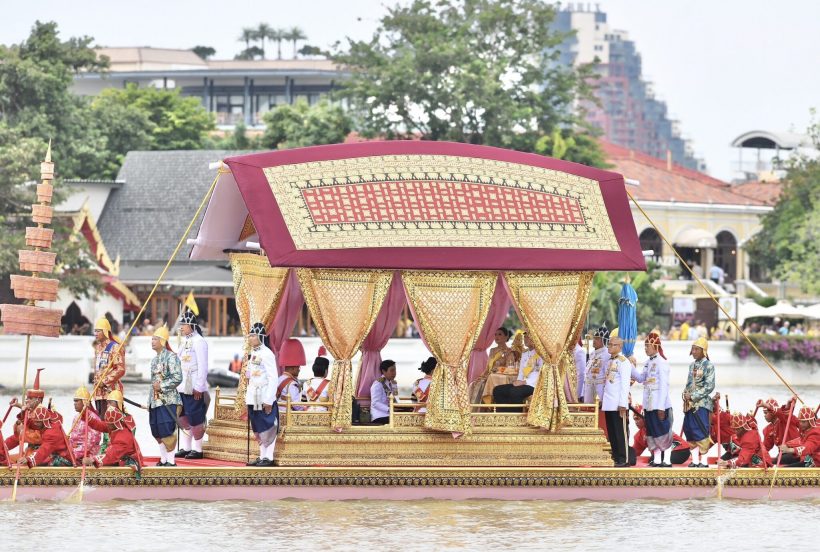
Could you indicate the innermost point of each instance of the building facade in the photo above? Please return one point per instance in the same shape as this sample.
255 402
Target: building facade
235 91
629 114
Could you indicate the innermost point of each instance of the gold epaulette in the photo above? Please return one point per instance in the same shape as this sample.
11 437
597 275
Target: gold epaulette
620 356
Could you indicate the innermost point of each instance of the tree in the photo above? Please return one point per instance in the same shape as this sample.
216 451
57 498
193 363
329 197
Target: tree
249 53
248 34
307 50
263 32
475 71
36 104
203 51
292 126
278 35
294 34
606 289
788 244
174 121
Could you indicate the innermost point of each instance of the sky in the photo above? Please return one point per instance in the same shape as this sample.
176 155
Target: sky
724 67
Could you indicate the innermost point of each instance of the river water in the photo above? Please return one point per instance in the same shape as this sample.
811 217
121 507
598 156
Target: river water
419 525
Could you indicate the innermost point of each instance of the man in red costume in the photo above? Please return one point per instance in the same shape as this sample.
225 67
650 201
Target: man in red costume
807 446
728 436
778 418
54 450
33 436
680 448
750 452
123 449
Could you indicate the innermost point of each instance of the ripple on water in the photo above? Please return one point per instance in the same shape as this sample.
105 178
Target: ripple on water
417 525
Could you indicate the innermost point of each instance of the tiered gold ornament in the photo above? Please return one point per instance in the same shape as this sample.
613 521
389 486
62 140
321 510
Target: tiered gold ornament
29 319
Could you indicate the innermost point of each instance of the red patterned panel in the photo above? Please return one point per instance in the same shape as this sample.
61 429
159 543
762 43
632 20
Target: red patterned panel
429 201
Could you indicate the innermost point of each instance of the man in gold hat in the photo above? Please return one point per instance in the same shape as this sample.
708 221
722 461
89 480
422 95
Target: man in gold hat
164 403
84 440
697 405
123 450
109 363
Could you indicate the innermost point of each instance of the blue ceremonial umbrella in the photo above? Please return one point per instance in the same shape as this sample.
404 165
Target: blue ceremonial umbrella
628 318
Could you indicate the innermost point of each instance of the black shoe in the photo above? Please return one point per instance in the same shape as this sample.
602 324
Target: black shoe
702 465
264 463
652 464
182 453
622 465
693 465
665 465
160 464
254 462
194 455
170 465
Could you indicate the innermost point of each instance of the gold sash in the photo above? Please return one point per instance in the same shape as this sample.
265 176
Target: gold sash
530 365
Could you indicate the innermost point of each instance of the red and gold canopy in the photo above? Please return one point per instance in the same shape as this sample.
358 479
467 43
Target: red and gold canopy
434 205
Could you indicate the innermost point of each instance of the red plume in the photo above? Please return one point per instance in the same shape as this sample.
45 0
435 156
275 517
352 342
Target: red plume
322 351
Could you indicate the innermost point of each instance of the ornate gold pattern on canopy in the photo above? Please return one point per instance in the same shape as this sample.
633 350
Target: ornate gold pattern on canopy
567 368
450 309
258 289
438 201
343 304
549 304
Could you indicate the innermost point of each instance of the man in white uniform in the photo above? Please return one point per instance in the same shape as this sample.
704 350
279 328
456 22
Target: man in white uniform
193 355
529 368
260 396
615 401
657 406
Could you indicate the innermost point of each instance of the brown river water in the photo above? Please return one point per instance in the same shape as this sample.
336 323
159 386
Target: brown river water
417 525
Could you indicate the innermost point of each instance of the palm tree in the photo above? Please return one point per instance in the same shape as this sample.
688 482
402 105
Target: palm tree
247 35
262 32
278 35
295 34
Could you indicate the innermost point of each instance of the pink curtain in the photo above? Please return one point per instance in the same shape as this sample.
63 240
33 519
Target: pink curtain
380 333
289 308
499 308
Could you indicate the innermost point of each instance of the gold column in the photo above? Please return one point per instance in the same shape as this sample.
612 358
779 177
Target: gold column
450 309
258 289
344 305
550 305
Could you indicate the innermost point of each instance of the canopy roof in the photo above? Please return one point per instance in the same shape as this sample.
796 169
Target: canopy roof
421 205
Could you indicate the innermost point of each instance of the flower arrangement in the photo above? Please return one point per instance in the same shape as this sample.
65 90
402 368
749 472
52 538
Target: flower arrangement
798 348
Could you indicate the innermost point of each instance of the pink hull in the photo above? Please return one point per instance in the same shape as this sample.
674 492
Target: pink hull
264 493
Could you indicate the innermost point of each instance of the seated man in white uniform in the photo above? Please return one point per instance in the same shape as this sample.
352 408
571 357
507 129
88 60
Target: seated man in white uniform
383 390
529 369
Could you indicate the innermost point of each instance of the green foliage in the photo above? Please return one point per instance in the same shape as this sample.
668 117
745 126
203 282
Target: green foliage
297 125
475 71
173 121
578 147
606 289
203 51
788 244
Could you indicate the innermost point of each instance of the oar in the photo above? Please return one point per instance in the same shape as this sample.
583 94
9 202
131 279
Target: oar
134 403
77 495
7 414
22 446
780 449
717 421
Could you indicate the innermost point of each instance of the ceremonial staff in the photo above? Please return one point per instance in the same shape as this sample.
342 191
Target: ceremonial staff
22 453
717 460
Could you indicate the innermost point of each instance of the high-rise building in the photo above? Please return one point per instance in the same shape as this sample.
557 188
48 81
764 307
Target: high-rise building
629 114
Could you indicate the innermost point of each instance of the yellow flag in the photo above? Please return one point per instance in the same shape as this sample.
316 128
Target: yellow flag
191 304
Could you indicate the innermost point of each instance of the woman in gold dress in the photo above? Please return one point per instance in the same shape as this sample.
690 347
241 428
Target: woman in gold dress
502 366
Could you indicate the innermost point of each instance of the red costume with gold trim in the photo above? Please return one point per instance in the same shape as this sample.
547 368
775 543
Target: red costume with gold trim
807 447
53 450
123 445
773 432
751 453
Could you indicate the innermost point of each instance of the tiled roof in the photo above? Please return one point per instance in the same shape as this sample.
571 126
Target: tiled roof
143 220
660 181
767 192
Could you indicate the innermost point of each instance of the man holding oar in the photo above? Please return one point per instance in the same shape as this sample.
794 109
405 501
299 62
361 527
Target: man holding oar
697 405
164 402
32 436
807 447
123 450
54 449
